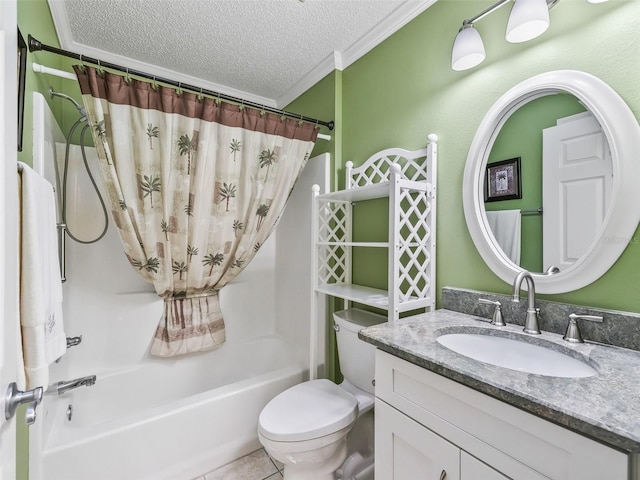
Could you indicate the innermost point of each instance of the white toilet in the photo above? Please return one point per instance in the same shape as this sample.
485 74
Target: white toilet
323 431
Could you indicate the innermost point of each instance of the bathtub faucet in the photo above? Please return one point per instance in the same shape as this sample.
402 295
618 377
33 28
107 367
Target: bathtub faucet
63 387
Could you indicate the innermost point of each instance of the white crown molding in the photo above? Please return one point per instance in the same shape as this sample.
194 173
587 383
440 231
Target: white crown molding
390 25
335 61
324 68
341 60
61 22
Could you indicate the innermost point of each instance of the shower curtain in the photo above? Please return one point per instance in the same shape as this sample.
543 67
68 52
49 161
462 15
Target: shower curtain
196 186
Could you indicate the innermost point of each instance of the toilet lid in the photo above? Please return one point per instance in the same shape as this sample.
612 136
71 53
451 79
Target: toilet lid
306 411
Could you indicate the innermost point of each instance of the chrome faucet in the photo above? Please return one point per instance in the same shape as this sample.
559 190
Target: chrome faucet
62 387
573 332
497 319
531 321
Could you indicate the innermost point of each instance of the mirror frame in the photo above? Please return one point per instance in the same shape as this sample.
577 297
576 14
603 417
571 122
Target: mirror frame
621 220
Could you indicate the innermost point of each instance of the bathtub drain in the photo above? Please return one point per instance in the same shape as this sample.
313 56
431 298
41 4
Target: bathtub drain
69 412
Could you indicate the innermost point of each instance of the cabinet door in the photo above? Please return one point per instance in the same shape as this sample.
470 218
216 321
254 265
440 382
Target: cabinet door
473 469
406 450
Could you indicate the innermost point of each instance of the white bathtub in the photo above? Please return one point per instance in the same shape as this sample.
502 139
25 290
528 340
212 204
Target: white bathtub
166 419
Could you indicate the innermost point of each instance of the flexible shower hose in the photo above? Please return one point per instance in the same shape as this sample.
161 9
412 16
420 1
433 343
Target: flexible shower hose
93 182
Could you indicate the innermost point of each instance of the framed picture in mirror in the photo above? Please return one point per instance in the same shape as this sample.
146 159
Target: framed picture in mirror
502 180
22 71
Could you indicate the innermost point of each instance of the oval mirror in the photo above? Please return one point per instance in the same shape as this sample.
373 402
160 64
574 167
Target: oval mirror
550 157
554 198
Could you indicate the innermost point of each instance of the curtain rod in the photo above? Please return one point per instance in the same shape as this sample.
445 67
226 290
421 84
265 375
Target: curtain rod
36 67
35 45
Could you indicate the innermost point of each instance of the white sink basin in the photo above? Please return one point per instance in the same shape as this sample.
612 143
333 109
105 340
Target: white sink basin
516 355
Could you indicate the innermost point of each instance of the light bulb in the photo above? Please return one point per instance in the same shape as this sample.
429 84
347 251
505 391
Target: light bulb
468 49
528 20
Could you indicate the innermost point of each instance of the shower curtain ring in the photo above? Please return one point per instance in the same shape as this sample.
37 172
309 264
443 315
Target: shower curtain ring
241 106
300 122
200 96
154 86
218 100
127 79
82 67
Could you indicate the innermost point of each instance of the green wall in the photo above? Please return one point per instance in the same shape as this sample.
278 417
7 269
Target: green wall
404 89
34 18
324 101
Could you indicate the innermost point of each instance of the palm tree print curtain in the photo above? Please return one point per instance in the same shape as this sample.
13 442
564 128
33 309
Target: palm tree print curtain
195 186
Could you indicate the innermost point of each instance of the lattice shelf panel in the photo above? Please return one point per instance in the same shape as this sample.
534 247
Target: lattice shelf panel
334 228
414 238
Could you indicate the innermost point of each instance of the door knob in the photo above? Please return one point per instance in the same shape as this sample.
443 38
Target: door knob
15 397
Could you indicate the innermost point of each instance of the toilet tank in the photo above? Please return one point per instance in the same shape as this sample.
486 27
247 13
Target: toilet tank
357 358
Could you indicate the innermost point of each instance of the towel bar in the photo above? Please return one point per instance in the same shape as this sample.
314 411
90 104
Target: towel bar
537 211
73 341
62 249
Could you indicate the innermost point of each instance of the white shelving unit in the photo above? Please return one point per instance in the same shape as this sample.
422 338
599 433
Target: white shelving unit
408 180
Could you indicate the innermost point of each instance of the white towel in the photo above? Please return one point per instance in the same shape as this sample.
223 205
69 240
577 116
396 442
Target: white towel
505 225
42 329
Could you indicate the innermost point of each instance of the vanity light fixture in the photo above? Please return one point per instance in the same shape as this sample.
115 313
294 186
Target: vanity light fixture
528 20
468 49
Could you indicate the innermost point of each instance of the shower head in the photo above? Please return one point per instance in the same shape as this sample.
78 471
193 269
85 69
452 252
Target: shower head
81 110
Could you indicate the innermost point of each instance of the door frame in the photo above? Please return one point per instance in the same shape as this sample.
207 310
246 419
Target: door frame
8 219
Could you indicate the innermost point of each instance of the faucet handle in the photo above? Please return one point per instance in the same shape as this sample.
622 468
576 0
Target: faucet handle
497 319
573 332
15 397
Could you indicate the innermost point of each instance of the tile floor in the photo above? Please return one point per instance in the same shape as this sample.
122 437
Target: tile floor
255 466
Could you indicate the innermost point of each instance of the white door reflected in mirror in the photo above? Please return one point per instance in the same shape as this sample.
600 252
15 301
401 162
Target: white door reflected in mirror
577 178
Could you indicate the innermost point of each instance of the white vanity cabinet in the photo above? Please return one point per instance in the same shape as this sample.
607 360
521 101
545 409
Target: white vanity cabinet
429 427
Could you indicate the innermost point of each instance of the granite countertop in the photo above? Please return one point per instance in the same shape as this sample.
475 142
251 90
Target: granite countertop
604 407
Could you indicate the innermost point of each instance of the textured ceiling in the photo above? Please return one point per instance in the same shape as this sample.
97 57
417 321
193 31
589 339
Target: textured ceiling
268 50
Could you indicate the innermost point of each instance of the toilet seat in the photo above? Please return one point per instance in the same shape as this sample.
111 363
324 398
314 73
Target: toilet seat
307 411
365 399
